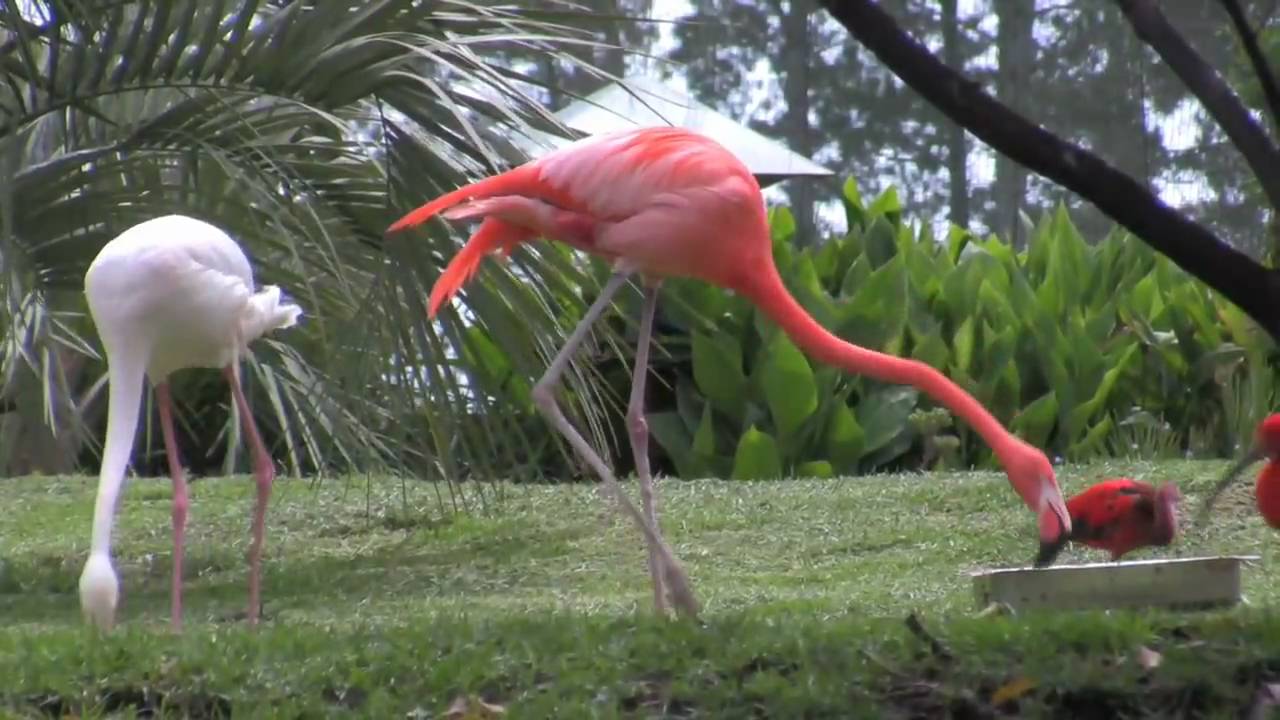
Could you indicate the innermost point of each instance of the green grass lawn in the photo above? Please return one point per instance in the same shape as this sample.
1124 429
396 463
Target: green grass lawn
378 605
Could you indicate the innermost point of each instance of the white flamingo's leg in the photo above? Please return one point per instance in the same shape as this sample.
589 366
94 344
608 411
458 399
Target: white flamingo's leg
264 472
638 429
544 396
180 500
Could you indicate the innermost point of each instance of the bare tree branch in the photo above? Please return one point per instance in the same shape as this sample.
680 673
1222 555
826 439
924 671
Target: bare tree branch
1261 67
1205 83
1255 289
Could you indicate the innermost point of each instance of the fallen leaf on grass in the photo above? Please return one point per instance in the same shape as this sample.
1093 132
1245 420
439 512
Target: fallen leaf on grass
1149 659
1012 690
653 695
466 707
995 609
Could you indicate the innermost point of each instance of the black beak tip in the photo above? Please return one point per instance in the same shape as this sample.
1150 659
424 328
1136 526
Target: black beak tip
1048 553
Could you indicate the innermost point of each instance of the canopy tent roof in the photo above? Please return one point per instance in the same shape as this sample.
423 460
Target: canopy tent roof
646 102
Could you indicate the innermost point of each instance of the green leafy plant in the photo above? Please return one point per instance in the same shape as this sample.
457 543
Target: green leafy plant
1075 346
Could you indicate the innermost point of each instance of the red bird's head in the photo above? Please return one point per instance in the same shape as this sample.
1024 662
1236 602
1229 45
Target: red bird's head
1266 446
1267 437
1165 528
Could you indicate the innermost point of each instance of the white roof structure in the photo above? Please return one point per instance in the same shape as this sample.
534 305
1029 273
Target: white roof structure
645 102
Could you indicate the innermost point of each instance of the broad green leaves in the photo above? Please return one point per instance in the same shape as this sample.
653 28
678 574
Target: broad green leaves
1062 342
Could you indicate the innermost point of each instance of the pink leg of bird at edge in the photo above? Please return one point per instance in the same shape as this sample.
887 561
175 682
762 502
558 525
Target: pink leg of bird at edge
264 472
180 500
638 428
544 396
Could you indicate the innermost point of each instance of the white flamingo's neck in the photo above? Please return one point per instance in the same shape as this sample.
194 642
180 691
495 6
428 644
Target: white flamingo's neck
126 376
99 586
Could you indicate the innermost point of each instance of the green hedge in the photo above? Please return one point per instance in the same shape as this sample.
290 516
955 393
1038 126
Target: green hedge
1084 350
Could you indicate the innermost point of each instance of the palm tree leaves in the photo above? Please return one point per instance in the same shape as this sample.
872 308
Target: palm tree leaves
303 129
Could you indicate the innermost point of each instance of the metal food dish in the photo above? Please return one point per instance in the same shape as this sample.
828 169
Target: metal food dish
1198 582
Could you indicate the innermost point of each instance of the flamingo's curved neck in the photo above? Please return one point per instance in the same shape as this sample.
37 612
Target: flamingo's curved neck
766 289
126 374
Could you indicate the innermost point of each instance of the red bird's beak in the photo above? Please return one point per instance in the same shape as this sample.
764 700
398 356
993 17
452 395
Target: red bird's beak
1255 454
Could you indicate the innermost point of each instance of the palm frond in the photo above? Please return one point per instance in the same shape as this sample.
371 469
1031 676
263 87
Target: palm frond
303 129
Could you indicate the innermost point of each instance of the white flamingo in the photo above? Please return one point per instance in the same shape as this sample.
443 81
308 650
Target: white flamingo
171 293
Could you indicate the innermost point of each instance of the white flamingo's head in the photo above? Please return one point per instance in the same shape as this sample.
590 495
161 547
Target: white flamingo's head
99 591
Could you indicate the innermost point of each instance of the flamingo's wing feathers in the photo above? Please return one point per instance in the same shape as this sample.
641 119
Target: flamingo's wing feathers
615 176
493 235
605 178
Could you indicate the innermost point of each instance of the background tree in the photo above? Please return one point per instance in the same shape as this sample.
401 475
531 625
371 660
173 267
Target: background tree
784 69
1254 288
1050 60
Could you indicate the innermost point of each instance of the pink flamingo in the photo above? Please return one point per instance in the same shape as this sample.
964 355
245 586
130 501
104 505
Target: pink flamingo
667 202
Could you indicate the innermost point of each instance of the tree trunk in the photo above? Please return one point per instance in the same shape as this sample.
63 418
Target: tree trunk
29 445
797 53
615 58
1015 49
551 76
957 151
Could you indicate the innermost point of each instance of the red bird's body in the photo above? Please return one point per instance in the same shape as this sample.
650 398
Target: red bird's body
1266 490
1266 493
1122 515
664 202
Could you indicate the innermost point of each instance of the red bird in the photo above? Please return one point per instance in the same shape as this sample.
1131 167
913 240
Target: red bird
1266 490
1119 516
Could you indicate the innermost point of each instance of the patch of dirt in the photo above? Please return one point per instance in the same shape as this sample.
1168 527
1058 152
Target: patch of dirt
349 698
652 697
934 685
761 664
918 698
395 521
141 702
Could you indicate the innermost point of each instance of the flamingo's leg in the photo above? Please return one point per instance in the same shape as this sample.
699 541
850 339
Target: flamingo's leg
180 500
638 428
544 397
264 472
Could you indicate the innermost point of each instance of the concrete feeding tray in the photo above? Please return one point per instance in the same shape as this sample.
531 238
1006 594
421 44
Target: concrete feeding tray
1198 582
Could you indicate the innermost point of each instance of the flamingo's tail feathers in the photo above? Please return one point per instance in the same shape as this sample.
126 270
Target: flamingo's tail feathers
481 208
268 310
511 182
493 235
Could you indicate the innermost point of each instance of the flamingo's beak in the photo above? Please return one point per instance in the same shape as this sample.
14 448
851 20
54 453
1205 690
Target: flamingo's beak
1055 525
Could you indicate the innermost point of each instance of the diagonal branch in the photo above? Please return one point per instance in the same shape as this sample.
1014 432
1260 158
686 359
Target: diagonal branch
1192 246
1204 81
1261 67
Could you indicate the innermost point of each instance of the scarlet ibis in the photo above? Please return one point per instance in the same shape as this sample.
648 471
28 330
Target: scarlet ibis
1266 490
668 202
171 293
1119 516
